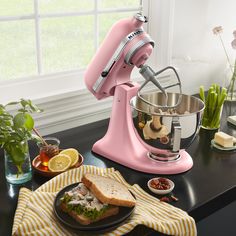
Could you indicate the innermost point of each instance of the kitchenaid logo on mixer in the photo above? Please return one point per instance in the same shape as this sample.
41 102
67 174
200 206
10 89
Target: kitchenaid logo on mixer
133 34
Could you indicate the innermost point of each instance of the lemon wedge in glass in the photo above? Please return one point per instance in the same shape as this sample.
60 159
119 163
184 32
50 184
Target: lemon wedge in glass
60 162
73 154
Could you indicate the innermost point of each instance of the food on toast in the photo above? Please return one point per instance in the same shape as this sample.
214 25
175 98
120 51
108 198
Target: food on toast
96 198
108 190
84 207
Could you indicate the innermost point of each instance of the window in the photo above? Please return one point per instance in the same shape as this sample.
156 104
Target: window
48 36
46 44
54 38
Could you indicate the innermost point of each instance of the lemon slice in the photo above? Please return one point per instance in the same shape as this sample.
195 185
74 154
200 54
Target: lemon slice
60 162
73 154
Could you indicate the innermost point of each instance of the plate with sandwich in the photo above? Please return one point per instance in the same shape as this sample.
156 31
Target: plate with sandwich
95 204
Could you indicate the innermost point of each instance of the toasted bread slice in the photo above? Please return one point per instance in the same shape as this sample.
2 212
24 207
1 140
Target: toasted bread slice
113 210
108 190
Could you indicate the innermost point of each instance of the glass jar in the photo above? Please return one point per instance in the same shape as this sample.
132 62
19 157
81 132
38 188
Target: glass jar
18 170
230 83
48 149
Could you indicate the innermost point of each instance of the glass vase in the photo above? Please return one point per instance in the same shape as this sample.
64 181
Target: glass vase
18 172
230 83
211 118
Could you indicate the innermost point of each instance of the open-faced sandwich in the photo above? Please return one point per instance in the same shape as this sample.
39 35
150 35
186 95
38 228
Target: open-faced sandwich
95 198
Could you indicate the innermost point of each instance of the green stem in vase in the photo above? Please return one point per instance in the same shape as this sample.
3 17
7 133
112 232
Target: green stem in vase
213 105
232 82
19 170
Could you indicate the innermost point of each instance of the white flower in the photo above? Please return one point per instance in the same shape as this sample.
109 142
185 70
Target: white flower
233 44
234 34
217 30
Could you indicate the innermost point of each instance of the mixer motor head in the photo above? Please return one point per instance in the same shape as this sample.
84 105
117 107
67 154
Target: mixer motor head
125 46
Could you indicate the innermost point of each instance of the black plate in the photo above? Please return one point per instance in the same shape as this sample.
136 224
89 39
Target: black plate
102 225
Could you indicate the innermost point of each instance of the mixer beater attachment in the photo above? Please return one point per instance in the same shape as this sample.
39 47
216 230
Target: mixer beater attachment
151 76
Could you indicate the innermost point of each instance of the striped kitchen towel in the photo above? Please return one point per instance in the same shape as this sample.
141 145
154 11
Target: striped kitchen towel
34 214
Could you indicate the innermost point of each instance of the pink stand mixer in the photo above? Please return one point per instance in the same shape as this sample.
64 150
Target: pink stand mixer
147 131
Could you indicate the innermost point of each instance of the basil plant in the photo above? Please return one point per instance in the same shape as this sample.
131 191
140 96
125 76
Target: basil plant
16 130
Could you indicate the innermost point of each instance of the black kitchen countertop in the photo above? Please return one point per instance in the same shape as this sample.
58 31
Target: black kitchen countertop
209 186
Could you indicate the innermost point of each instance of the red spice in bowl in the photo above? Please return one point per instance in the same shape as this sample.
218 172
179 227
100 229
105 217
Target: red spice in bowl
160 185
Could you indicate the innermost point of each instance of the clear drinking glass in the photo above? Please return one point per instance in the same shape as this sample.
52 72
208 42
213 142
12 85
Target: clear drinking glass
211 118
230 83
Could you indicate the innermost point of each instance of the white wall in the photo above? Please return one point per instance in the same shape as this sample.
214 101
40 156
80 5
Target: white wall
196 51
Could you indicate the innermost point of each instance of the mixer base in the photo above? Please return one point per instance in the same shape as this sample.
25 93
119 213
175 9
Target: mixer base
141 162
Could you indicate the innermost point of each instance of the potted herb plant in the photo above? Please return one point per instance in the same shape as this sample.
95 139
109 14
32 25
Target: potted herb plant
15 131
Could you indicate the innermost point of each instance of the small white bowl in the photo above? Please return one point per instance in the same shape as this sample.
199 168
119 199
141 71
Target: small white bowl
160 191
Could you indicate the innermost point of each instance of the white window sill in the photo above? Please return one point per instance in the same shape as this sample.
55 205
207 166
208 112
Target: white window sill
66 108
41 87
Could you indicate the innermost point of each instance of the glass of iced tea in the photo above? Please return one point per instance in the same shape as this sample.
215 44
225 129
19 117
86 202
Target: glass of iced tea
48 149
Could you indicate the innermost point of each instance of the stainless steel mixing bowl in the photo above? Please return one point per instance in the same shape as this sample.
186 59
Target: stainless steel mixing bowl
165 131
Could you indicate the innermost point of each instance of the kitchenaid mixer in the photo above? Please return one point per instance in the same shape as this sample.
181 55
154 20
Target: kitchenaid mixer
147 131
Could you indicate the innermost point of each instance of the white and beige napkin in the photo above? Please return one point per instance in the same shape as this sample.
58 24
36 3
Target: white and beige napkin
34 214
